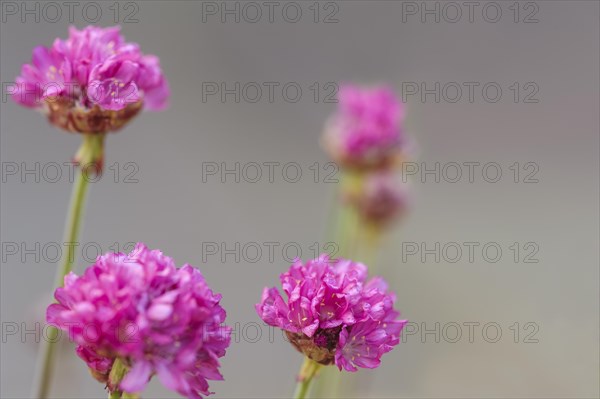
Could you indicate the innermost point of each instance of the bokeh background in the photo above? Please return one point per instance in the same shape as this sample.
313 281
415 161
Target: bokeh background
170 207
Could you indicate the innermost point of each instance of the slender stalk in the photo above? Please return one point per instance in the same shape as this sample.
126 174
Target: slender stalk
73 226
117 373
307 372
333 218
89 152
369 244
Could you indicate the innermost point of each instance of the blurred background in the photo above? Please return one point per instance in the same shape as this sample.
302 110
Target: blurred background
545 311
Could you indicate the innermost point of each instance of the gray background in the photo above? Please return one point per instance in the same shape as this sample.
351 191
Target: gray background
172 209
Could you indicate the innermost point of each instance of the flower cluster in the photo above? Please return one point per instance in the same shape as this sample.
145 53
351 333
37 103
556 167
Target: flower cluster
92 82
366 138
333 314
151 316
366 131
381 199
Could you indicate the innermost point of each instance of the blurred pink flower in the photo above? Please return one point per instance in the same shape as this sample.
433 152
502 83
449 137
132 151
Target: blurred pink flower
333 314
366 131
155 318
381 199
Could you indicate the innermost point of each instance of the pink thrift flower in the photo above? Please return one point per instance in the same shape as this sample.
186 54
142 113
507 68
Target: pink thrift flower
366 131
333 314
154 317
381 199
92 82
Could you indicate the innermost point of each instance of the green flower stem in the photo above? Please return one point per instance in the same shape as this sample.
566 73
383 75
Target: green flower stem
90 153
369 245
122 395
308 371
346 227
117 373
73 226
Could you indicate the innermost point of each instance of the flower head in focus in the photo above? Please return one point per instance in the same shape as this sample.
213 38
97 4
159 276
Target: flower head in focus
333 314
366 131
140 310
93 82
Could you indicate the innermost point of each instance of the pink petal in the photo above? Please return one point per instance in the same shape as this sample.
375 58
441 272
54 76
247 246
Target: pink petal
137 378
160 311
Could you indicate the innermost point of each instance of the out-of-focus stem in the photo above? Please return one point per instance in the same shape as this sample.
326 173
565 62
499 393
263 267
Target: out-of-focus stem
90 152
308 371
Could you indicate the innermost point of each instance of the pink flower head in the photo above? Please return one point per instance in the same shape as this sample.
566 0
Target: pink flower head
154 317
92 82
333 314
366 131
381 199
